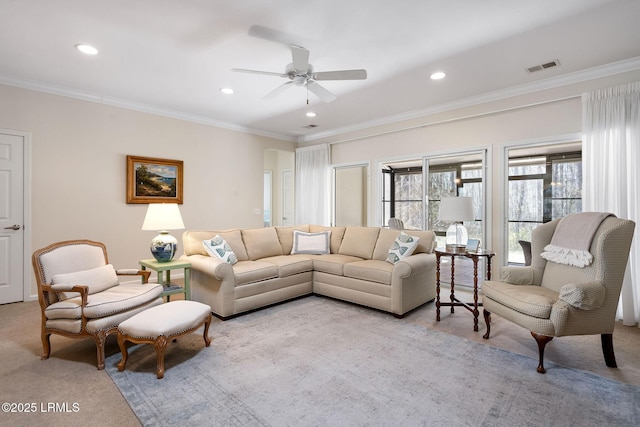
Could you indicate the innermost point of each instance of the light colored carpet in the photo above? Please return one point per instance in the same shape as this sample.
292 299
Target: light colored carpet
317 361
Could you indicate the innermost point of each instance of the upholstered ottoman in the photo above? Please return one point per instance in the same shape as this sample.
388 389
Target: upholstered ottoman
160 324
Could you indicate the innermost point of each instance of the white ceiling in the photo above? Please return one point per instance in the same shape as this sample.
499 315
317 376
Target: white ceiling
172 56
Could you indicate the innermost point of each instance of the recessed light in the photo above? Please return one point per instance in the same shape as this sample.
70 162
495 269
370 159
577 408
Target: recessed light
85 48
438 75
311 114
226 90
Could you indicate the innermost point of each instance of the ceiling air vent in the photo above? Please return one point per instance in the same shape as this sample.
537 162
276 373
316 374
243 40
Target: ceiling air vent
310 126
544 66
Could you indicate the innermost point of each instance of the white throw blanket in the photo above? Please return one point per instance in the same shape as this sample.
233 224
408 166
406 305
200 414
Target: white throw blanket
572 239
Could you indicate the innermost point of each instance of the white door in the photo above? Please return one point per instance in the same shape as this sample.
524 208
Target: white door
287 198
11 217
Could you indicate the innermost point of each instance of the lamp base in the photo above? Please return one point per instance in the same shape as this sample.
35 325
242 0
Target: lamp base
164 246
457 237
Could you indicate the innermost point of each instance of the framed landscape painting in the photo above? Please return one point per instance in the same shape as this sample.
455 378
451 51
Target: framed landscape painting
151 180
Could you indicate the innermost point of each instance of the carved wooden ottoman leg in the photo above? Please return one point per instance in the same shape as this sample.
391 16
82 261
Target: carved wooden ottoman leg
161 345
123 349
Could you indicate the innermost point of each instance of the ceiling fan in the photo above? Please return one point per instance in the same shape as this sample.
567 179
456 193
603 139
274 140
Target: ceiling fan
301 73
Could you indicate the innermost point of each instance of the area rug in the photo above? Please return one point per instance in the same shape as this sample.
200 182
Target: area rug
321 362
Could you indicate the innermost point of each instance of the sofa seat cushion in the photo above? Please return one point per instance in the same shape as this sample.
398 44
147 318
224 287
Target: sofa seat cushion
332 263
370 270
288 265
531 300
254 271
102 304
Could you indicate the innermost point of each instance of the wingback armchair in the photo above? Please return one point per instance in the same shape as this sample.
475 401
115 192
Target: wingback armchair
554 299
80 295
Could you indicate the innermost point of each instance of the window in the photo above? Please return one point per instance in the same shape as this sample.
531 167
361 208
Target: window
402 194
542 187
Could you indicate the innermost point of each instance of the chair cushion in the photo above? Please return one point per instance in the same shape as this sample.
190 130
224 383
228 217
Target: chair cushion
97 279
106 303
534 301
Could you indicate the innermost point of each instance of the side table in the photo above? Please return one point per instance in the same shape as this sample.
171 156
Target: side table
455 302
161 268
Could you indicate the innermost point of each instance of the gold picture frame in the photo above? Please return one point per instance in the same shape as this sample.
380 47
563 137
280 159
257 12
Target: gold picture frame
152 180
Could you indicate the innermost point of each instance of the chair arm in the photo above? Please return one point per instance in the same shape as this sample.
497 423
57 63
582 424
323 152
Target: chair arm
583 295
517 275
134 272
83 290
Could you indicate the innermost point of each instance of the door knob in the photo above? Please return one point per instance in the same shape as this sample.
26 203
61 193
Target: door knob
13 227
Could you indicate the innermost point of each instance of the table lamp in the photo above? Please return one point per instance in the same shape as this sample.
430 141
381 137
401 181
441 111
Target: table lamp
162 217
456 209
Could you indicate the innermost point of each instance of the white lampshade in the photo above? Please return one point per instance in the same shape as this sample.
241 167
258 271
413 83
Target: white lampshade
162 217
456 209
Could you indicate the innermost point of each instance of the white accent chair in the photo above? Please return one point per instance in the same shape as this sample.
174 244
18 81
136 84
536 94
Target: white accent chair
80 295
396 224
554 300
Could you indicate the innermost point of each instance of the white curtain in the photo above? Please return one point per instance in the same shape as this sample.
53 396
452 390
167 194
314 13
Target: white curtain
611 159
313 185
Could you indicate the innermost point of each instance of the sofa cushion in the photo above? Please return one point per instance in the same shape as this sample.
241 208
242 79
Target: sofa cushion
337 233
402 247
261 242
219 248
311 243
288 265
332 263
386 237
285 236
254 271
106 303
96 279
359 241
370 270
427 241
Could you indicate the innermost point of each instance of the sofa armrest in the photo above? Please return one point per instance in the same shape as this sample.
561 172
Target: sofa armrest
583 295
414 264
211 266
517 275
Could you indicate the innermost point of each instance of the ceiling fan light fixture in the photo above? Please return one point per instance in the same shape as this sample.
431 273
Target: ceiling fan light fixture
438 75
86 49
227 90
311 114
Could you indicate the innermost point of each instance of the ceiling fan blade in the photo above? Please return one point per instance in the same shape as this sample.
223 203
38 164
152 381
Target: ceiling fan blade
266 73
300 59
272 35
341 75
277 91
320 92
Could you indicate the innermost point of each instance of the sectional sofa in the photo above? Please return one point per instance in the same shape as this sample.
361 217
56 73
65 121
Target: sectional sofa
239 270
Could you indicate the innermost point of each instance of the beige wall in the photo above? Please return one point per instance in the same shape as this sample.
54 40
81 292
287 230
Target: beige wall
538 116
78 181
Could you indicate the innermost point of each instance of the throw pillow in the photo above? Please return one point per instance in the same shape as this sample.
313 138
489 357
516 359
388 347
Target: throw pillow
402 247
219 248
311 243
97 279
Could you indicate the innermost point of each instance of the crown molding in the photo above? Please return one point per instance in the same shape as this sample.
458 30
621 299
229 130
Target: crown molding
135 106
619 67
